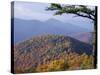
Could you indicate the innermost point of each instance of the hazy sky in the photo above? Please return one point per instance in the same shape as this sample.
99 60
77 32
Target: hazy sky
36 11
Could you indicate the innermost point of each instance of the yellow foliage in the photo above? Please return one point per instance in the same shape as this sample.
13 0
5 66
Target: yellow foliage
87 61
55 65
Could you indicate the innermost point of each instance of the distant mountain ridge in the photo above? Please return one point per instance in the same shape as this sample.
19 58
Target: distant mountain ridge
24 29
84 37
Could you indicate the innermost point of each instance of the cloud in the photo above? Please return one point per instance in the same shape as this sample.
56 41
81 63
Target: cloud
24 13
28 11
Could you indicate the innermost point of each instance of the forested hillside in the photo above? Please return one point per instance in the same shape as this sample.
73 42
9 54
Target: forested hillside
52 53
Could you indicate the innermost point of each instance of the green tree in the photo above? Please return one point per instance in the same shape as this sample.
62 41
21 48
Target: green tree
78 11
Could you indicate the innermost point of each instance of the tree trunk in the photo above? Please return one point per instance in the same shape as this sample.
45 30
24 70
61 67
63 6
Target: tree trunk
95 40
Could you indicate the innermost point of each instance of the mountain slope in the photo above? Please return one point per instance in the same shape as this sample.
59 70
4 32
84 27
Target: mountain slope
46 48
55 39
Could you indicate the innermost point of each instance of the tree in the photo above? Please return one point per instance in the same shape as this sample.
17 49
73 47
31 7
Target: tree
80 11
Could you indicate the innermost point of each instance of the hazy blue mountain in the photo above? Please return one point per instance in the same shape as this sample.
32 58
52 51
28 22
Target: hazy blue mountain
25 29
84 37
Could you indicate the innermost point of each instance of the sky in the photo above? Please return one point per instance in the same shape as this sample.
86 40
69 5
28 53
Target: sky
36 11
